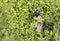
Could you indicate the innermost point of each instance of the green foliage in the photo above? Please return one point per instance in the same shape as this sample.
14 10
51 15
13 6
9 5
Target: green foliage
17 22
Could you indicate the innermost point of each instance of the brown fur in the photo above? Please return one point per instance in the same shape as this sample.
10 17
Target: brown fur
39 25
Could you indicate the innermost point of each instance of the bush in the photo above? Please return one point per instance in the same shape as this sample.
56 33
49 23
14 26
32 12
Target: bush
17 22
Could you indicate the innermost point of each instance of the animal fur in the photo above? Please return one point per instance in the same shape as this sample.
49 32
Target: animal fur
39 25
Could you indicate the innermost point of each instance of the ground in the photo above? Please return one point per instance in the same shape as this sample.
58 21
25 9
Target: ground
17 22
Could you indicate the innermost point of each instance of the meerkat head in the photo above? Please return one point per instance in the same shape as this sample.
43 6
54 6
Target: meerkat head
36 12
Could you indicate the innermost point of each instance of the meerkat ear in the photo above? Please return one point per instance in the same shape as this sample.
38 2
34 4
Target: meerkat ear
33 11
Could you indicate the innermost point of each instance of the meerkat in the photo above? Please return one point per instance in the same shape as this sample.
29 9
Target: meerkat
39 25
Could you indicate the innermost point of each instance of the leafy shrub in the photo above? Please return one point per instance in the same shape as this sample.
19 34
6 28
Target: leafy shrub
17 22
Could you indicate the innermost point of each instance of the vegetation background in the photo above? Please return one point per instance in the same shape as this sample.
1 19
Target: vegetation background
17 22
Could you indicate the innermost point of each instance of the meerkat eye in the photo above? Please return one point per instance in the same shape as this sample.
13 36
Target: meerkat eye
35 11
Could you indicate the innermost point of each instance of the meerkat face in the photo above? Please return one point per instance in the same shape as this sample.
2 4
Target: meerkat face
36 12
